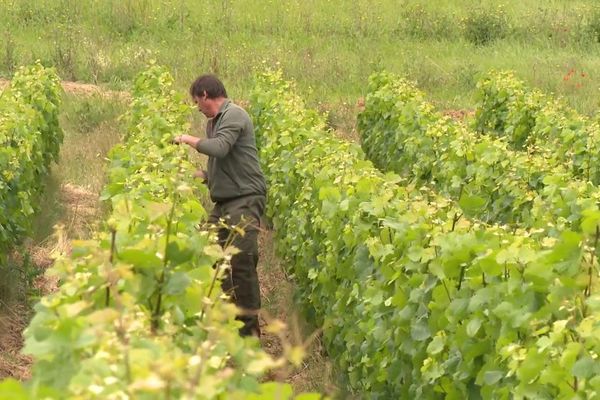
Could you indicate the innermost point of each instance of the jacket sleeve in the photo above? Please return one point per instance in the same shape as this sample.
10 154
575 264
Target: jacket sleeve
224 139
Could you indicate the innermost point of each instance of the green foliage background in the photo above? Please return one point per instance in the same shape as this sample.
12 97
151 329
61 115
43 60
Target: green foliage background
329 47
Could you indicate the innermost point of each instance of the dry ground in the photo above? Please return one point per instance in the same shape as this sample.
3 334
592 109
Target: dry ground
83 89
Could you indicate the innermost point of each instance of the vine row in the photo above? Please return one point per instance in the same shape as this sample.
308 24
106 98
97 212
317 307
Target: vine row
415 302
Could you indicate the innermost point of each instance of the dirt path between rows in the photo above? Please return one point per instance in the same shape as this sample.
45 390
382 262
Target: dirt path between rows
83 89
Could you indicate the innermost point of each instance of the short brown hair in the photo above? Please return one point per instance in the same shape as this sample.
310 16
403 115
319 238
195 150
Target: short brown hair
210 84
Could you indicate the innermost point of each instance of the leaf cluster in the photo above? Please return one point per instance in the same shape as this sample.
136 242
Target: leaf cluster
537 123
488 177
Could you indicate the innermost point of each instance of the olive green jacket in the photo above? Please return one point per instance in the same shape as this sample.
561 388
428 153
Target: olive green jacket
233 166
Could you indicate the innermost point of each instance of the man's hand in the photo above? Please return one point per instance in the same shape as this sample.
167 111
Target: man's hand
186 139
200 174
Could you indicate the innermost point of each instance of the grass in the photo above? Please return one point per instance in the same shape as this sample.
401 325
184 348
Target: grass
329 47
91 129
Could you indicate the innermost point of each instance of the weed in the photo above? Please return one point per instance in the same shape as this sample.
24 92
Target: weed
482 26
66 52
422 23
591 27
84 114
91 129
9 61
18 278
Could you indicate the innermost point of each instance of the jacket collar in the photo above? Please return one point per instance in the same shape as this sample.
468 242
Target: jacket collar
224 107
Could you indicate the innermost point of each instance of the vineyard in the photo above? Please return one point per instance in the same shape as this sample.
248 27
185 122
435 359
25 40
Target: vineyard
489 291
465 266
139 312
430 256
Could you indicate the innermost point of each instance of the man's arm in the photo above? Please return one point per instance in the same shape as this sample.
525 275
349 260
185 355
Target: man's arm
187 139
225 138
220 145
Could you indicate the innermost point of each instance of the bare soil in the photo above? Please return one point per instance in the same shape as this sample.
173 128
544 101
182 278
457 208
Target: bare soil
459 115
83 89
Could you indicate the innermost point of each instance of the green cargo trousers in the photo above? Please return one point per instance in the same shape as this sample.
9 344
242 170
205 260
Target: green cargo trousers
241 282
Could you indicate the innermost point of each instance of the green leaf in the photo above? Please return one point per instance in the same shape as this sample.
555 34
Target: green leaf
141 258
272 391
473 327
11 389
471 204
492 377
436 345
590 222
420 331
178 254
585 367
177 283
158 210
309 396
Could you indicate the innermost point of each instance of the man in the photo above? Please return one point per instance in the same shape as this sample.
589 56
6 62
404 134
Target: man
237 187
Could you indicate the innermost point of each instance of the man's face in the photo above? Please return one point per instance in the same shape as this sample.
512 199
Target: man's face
203 103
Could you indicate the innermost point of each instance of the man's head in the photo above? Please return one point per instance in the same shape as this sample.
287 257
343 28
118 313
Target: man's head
208 93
